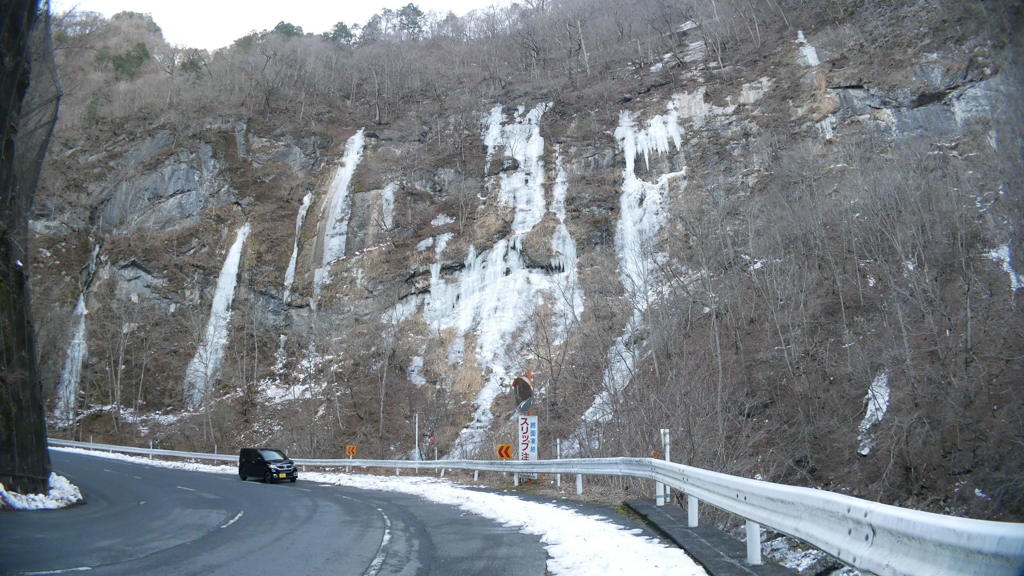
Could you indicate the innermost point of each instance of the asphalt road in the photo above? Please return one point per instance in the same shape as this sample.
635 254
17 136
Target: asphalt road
140 519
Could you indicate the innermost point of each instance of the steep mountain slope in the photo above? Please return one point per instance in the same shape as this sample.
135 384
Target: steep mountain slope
787 233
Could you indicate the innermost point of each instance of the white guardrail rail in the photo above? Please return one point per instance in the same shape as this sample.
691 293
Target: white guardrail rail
879 538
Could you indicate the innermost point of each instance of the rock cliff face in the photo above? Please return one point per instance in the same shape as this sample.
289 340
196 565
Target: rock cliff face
737 251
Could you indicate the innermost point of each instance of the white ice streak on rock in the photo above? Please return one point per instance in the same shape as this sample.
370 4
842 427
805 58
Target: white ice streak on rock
425 243
751 92
877 400
204 368
523 188
567 295
71 375
808 53
61 493
335 212
300 218
415 372
495 294
642 214
441 220
693 108
1002 256
387 205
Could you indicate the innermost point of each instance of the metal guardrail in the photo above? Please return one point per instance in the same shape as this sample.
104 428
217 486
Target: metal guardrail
884 539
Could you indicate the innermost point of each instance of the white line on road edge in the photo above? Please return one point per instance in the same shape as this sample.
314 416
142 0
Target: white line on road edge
381 552
65 571
184 488
235 519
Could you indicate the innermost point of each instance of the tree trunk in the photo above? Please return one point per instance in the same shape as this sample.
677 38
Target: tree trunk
24 460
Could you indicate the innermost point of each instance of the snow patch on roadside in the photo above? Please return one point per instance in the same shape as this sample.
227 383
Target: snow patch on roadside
62 494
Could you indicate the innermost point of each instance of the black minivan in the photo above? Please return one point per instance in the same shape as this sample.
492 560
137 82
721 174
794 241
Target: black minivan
267 463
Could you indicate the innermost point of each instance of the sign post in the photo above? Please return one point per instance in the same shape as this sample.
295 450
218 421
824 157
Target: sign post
527 441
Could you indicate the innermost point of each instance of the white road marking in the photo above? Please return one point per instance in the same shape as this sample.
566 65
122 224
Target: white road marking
65 571
137 477
184 488
235 519
382 553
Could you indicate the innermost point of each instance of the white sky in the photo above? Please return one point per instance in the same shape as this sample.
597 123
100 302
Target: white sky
214 24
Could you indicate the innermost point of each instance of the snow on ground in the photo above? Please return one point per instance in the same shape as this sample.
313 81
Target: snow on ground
62 493
575 543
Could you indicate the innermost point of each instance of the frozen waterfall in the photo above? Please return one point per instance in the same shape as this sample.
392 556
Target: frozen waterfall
642 213
335 213
204 368
71 375
496 294
300 218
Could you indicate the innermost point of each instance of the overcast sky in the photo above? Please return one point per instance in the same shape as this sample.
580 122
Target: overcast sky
214 24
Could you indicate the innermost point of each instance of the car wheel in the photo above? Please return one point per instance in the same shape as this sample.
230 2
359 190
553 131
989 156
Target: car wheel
243 476
268 478
293 480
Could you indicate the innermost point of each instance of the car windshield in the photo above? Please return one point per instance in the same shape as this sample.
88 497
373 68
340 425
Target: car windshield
271 455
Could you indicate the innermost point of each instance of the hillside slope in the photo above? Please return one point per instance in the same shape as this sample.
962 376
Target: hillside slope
788 233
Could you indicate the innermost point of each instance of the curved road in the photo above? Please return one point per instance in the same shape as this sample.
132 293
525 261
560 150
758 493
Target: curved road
140 519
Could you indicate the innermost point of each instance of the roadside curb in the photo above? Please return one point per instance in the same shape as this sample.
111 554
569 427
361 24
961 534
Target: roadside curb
719 553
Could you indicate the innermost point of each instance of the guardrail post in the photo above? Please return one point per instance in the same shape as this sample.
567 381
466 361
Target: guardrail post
753 543
666 445
691 510
476 475
398 471
558 456
151 447
515 478
579 484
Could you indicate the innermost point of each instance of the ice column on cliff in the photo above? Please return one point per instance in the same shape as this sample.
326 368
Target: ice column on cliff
205 365
877 400
300 218
71 375
567 295
335 212
495 294
642 212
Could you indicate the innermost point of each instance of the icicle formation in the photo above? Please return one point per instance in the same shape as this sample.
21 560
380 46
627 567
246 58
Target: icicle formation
522 188
335 212
204 368
877 404
641 216
71 375
300 218
495 294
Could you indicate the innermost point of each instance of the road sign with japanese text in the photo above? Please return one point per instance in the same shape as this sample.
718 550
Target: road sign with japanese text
527 441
